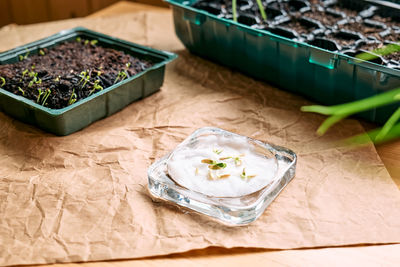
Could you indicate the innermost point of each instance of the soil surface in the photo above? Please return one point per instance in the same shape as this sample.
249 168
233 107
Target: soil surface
325 18
299 27
69 72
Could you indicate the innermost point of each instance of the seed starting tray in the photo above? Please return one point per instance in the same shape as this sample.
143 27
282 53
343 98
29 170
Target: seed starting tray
306 47
95 107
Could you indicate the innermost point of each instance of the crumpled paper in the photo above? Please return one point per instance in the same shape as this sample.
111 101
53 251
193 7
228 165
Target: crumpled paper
84 197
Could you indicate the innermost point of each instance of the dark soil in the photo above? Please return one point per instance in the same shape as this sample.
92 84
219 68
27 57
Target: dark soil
364 29
325 18
69 72
388 21
299 27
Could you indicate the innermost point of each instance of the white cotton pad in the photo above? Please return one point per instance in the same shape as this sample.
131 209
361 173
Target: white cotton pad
245 172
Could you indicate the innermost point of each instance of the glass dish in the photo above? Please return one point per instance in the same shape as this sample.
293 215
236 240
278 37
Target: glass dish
232 211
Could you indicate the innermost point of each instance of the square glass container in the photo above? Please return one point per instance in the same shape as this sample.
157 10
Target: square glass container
233 211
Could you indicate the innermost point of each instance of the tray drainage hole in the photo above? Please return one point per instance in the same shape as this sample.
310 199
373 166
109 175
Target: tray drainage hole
324 44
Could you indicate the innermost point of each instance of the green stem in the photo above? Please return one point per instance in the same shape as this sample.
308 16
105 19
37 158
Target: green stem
329 122
262 10
356 106
365 138
388 126
234 10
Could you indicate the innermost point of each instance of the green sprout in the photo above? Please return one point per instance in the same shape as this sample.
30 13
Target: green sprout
94 42
24 73
33 67
86 42
261 8
383 51
21 57
57 79
213 165
234 10
243 175
46 95
78 39
122 75
85 75
339 112
3 81
218 151
96 86
73 97
128 64
41 52
22 91
39 95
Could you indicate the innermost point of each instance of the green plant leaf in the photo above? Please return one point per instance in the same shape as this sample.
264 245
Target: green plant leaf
388 126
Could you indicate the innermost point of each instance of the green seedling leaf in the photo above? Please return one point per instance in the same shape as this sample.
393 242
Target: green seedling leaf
94 42
342 111
41 52
22 91
72 98
388 126
78 39
3 81
383 51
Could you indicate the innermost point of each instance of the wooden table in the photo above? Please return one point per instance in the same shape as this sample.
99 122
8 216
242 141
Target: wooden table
381 255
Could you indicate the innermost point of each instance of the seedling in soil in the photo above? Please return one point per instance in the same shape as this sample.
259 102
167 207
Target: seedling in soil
73 97
21 57
94 42
22 91
383 51
260 7
78 39
3 81
96 86
121 76
24 73
46 95
128 65
85 75
39 95
41 52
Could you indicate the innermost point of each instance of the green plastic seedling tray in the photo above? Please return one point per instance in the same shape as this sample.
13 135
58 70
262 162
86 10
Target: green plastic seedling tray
100 105
321 75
